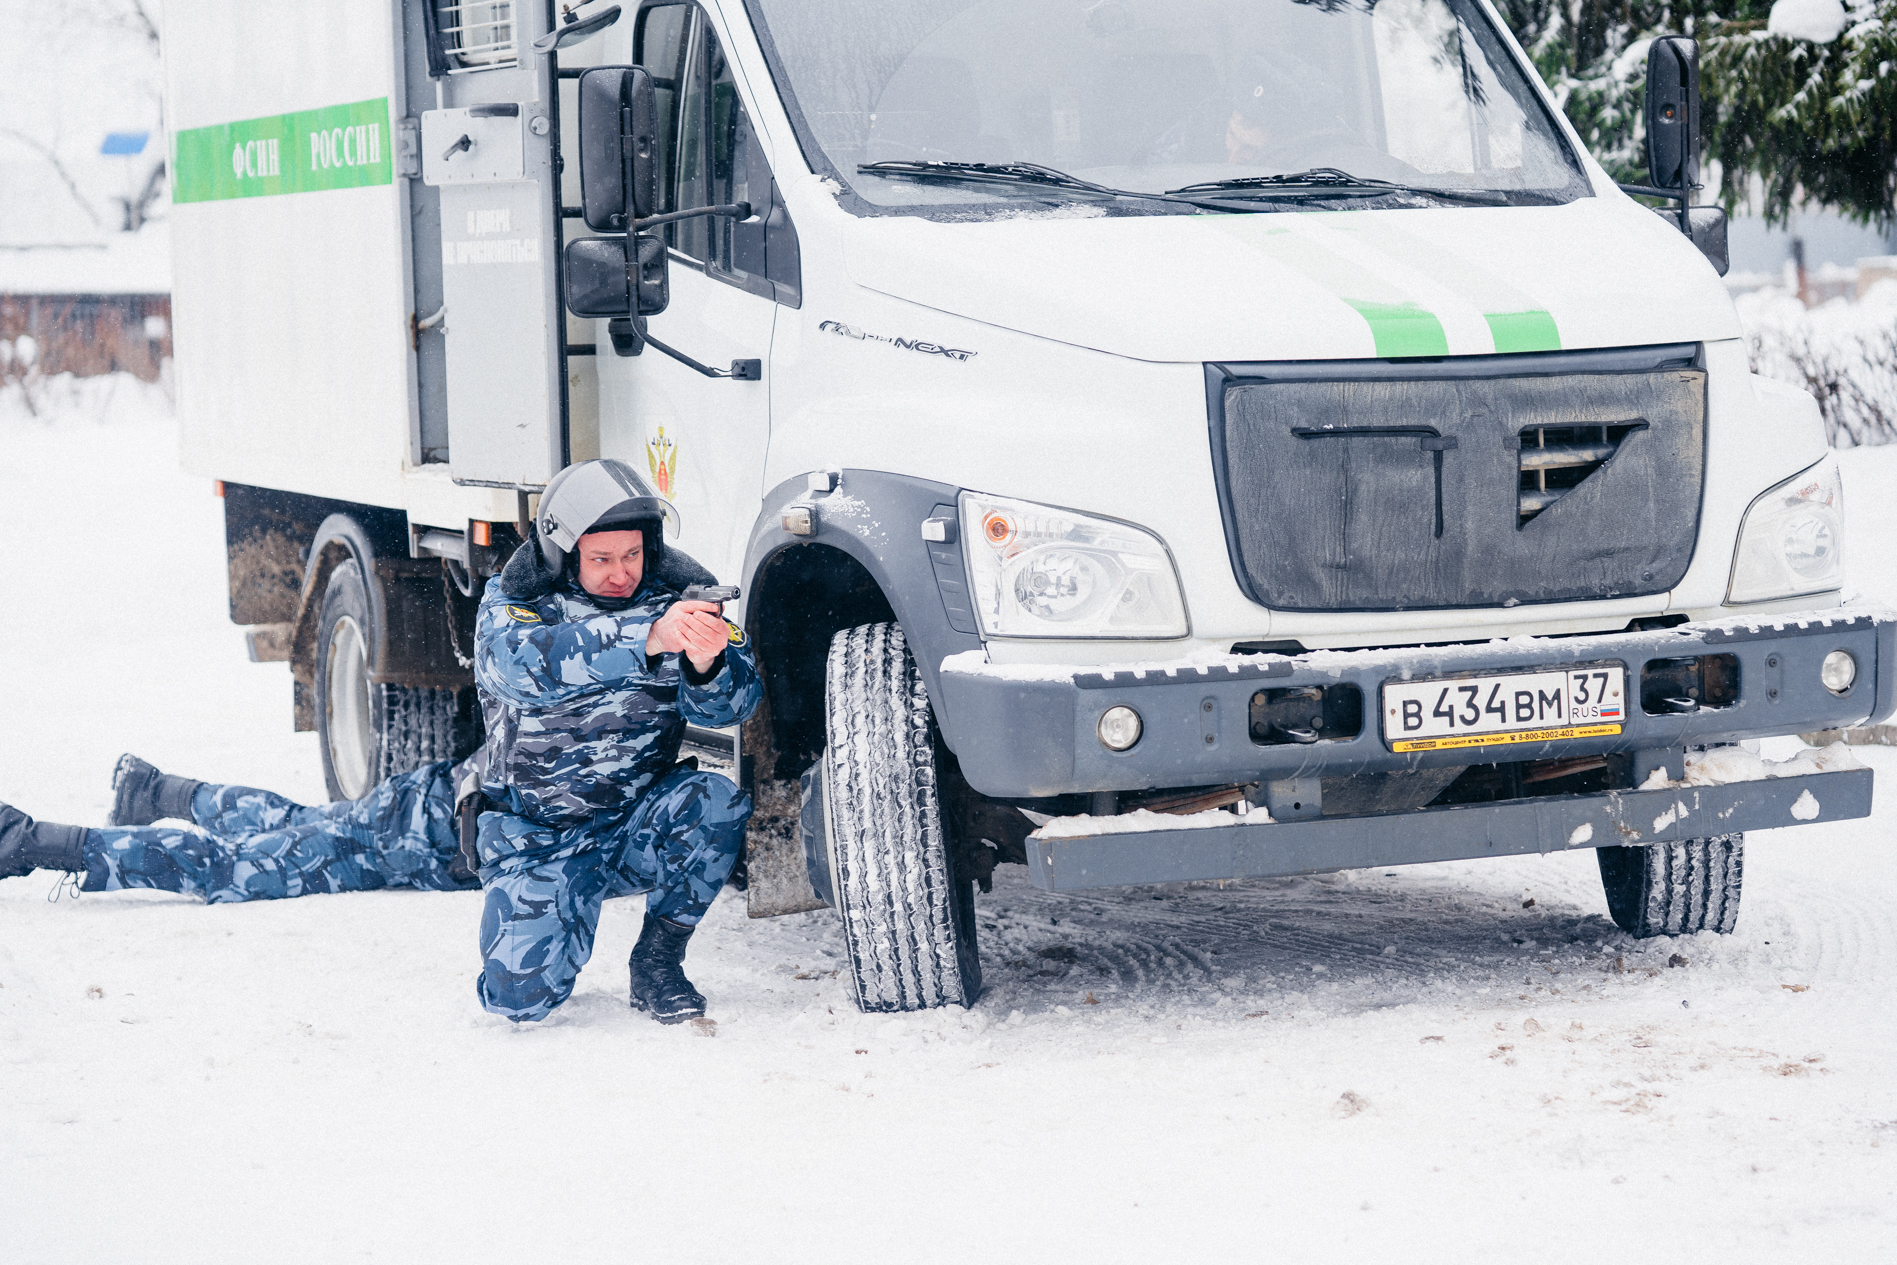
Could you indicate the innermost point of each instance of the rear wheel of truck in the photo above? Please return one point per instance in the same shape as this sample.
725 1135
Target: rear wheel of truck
1674 889
908 917
369 731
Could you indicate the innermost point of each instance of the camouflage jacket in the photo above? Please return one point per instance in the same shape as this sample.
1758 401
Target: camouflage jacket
580 720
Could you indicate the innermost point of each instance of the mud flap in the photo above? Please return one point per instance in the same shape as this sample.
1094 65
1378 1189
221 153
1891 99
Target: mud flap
774 852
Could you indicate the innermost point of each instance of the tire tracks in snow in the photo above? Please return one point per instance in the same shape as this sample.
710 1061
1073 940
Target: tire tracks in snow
1376 946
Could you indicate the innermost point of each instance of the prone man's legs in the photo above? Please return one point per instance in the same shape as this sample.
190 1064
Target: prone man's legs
256 845
545 884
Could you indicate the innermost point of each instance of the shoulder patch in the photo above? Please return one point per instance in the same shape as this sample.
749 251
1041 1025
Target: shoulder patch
736 634
524 614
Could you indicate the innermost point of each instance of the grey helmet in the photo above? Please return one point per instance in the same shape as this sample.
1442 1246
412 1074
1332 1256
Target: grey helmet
584 496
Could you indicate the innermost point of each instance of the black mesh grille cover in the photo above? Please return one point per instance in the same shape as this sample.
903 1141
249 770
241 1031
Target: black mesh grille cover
1385 493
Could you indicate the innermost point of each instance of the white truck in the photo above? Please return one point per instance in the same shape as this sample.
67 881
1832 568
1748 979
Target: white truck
1157 440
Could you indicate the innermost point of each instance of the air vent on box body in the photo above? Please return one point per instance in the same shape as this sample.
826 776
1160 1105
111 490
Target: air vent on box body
478 34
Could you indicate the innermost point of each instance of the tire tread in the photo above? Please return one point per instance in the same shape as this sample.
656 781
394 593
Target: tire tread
417 727
891 863
1673 889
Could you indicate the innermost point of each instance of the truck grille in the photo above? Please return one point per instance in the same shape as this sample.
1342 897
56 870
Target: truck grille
1464 482
1558 459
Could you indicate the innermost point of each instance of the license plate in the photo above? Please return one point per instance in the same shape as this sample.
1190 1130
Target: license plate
1508 707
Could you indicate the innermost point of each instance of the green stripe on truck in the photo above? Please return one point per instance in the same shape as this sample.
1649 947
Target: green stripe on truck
332 147
1514 320
1399 326
1523 331
1402 329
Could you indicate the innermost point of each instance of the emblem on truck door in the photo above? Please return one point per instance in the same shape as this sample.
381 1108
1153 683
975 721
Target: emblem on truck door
662 460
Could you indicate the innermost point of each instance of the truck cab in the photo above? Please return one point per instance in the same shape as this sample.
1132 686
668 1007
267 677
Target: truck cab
1155 441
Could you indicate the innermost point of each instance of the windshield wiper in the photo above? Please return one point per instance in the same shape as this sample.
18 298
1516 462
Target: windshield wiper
1027 173
1217 195
1000 173
1012 173
1317 176
1321 182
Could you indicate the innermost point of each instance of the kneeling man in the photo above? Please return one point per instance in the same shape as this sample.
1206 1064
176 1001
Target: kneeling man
589 665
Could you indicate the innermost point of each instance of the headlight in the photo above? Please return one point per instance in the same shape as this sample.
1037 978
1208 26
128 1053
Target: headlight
1792 539
1036 571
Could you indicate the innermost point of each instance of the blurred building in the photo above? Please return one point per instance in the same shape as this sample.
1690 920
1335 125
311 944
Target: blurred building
1817 255
89 306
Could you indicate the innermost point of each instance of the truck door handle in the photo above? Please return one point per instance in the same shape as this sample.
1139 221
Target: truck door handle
466 142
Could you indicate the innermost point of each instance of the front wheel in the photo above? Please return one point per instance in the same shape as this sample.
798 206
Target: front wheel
1674 889
908 916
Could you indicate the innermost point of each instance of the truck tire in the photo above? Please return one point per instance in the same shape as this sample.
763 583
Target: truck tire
908 918
367 731
1674 889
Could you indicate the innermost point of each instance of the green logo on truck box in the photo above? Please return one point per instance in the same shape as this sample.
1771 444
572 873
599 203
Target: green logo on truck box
334 147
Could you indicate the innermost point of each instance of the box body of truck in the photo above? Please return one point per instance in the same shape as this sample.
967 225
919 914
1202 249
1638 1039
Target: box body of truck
1128 475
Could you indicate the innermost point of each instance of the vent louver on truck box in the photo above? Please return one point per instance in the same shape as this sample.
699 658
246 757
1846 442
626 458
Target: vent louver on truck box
1556 459
477 34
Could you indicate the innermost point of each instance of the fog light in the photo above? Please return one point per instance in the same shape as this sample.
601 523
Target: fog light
1119 728
1838 671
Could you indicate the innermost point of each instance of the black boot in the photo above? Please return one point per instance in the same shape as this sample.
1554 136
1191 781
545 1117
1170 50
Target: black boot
658 975
27 845
142 795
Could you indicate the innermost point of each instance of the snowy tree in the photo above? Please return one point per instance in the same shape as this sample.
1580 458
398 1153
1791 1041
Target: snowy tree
1800 94
1815 119
1593 54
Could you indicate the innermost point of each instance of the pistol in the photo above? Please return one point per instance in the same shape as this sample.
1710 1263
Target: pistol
712 593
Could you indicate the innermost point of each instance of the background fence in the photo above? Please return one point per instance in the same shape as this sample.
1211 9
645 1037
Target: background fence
86 334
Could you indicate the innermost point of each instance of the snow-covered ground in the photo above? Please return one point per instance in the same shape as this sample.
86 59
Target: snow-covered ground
1449 1062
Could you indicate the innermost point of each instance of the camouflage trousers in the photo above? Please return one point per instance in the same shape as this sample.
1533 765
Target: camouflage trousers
545 883
255 845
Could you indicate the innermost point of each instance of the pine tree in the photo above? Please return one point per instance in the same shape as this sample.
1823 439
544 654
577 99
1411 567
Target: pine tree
1815 123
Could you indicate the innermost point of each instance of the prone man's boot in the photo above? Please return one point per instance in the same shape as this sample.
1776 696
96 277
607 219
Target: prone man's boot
142 795
658 974
27 845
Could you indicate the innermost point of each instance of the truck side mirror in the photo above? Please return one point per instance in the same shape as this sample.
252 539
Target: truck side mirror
618 145
601 283
1706 225
1673 112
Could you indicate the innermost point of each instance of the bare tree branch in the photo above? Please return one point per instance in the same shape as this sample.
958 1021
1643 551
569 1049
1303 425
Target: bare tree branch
138 209
141 21
52 159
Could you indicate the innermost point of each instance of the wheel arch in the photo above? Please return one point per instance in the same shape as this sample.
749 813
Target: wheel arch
340 538
412 637
865 561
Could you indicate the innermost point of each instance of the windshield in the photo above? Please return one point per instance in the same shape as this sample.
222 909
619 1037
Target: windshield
1152 95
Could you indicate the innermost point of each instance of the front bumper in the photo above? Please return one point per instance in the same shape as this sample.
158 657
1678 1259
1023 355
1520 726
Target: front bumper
1031 731
1553 824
